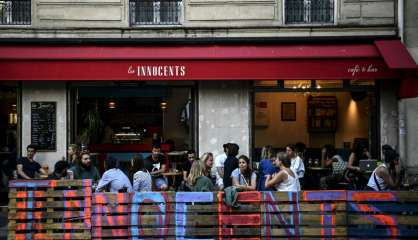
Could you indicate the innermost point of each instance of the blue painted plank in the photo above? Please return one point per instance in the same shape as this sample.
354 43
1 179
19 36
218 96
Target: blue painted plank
193 197
386 232
384 207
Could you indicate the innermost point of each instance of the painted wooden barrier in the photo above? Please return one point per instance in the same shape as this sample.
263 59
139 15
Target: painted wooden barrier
50 209
383 215
174 215
63 210
308 214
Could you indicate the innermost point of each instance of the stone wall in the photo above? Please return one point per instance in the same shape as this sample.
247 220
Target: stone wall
223 115
200 19
53 91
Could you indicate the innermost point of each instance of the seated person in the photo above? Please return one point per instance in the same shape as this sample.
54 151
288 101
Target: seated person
155 164
191 157
141 178
207 163
353 173
60 171
197 181
243 177
381 179
285 180
337 165
113 180
83 169
27 166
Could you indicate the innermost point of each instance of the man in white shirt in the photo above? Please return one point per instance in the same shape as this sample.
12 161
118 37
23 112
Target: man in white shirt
296 163
219 167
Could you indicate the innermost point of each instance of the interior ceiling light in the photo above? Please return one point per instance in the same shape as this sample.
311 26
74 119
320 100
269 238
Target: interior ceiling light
163 105
112 104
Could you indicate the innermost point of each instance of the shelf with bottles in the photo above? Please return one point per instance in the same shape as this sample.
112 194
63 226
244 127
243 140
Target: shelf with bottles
322 114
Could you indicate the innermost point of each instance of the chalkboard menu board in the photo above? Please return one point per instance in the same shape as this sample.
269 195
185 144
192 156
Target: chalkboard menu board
44 125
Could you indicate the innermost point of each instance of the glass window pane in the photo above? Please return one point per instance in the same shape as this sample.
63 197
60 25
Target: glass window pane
297 84
362 82
329 84
265 83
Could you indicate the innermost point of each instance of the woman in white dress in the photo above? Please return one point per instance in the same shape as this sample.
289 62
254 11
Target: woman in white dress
285 180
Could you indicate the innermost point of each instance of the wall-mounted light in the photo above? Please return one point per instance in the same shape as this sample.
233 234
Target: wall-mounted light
163 105
13 115
111 104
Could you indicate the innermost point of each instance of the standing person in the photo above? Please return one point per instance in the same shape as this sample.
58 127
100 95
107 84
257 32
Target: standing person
27 166
191 157
207 163
197 181
296 163
231 163
266 167
73 154
83 169
381 179
113 180
219 167
60 171
286 179
243 177
155 164
141 178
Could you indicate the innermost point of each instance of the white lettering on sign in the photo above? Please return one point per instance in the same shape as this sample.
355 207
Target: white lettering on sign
158 71
354 70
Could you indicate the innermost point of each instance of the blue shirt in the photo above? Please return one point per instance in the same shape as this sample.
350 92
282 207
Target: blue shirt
266 168
117 180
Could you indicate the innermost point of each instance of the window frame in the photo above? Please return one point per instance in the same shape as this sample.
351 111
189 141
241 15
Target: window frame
309 24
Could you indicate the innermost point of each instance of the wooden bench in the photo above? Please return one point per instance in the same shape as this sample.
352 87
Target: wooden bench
49 209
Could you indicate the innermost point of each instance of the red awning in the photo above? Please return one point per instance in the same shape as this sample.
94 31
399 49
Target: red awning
194 62
395 54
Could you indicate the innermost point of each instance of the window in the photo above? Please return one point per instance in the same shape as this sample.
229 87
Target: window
309 11
15 12
154 12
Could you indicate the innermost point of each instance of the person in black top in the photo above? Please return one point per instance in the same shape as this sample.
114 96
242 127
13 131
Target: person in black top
155 164
60 170
27 166
231 163
191 157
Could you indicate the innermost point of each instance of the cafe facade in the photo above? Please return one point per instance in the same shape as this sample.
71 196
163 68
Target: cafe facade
203 79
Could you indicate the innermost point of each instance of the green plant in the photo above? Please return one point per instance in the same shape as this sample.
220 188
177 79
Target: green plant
93 127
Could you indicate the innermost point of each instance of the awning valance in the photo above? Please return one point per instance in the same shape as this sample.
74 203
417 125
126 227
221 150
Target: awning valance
196 62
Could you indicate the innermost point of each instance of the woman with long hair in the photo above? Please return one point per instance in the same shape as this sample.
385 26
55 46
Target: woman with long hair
266 166
73 155
243 177
286 179
207 163
197 181
141 178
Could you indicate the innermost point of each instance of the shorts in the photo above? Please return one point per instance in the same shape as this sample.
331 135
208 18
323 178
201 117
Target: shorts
159 181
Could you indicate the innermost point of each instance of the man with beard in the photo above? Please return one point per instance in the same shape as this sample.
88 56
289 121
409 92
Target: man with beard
60 171
155 165
84 170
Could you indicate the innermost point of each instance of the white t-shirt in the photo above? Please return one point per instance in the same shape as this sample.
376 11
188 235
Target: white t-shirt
297 166
219 162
